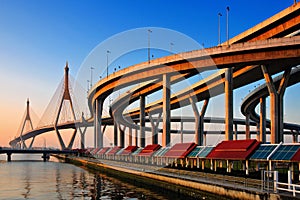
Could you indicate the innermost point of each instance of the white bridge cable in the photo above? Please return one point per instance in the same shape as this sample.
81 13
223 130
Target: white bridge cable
79 98
66 115
49 115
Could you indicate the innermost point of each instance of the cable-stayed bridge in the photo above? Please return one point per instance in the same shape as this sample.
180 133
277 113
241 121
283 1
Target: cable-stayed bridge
251 56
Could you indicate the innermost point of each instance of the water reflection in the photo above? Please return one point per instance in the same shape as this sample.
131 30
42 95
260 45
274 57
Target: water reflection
58 183
54 180
27 181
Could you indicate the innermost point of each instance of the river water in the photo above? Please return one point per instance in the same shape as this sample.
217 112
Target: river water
28 177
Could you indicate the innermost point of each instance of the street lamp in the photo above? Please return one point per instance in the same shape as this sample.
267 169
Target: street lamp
107 52
149 31
219 27
88 84
91 83
227 24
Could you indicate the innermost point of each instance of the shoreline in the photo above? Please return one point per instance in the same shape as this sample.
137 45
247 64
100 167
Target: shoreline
182 186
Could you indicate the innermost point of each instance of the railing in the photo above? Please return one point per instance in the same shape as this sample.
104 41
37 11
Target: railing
155 164
288 187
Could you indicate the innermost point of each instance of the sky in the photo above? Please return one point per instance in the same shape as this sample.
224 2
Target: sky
37 37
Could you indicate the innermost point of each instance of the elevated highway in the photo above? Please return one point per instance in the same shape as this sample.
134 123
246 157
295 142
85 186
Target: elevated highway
277 55
258 96
282 24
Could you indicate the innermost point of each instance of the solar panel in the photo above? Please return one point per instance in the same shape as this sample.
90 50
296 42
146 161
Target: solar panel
162 151
205 152
195 151
285 152
120 151
263 152
137 151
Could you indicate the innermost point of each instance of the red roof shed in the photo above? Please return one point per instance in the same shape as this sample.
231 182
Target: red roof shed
103 150
180 150
114 151
234 150
128 150
149 150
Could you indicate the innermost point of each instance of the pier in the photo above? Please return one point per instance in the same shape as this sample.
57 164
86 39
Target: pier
45 152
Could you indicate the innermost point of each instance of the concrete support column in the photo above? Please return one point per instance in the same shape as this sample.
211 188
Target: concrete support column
122 136
82 132
45 157
181 131
235 132
295 136
228 105
136 137
247 127
115 134
198 135
262 120
130 137
199 120
203 111
82 137
166 136
276 103
281 90
154 127
142 121
257 132
8 157
274 118
98 143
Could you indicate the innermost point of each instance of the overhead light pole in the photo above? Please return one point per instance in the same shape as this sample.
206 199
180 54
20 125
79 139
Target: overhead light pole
91 82
227 25
88 84
219 28
107 52
149 31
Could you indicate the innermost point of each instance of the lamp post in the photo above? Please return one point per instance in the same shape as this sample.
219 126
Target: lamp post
91 83
88 84
149 31
107 52
219 27
227 24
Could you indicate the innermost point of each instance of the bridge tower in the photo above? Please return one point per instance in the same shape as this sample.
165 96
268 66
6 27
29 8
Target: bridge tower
65 97
26 121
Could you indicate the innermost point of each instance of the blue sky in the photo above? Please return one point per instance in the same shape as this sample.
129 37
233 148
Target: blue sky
37 37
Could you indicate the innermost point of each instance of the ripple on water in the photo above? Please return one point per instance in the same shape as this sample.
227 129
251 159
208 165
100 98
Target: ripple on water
55 180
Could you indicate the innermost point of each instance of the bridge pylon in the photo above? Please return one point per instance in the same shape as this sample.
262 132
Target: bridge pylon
65 97
26 121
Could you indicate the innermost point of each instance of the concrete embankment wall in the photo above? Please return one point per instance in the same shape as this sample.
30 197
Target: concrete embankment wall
183 188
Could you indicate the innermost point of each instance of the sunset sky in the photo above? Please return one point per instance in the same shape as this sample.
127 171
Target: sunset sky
37 37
